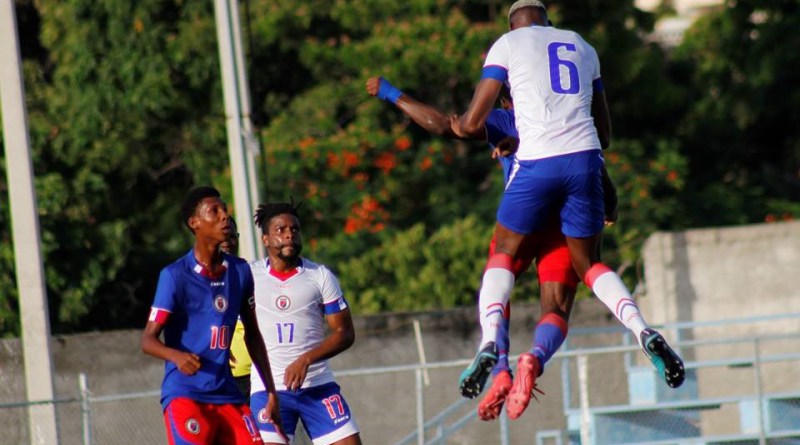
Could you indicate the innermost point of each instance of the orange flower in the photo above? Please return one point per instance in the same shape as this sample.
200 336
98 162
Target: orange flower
386 162
672 176
306 142
426 163
350 159
402 143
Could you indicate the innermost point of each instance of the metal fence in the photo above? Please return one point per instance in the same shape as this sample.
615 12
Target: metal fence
742 386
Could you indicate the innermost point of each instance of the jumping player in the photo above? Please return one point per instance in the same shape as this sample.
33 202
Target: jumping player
196 305
563 122
295 300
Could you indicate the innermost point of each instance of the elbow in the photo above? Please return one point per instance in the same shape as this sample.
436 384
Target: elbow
470 128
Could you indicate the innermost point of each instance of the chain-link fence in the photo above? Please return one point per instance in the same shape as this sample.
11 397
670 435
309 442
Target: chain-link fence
741 387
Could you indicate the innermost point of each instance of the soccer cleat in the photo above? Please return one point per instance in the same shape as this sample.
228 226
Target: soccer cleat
473 379
524 384
663 358
490 406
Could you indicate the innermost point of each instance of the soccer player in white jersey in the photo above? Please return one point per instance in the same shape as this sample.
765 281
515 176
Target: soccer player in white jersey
295 300
563 123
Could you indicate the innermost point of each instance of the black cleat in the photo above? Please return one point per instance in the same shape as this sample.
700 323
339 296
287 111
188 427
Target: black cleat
473 379
663 358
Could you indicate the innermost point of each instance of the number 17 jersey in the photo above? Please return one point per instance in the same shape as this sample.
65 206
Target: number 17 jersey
291 308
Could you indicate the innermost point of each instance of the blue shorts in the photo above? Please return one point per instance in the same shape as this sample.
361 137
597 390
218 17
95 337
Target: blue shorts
323 410
570 184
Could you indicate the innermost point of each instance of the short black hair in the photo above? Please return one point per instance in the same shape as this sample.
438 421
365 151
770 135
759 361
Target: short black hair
193 198
267 211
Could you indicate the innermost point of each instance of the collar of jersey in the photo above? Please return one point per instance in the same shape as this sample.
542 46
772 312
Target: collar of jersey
201 270
283 276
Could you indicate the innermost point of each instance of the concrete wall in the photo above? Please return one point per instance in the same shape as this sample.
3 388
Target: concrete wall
713 274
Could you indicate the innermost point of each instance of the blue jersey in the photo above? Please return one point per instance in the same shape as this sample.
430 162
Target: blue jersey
200 318
499 125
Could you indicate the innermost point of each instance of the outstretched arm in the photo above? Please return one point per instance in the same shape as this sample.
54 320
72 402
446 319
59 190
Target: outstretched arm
426 116
341 337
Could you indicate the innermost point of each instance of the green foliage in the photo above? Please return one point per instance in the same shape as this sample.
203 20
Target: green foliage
125 112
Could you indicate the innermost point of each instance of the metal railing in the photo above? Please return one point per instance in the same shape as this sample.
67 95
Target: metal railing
739 388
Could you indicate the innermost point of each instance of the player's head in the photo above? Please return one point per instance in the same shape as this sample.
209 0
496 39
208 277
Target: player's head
527 12
205 213
280 229
231 244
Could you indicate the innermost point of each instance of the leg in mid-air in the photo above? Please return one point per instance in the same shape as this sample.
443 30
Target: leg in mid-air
610 289
496 286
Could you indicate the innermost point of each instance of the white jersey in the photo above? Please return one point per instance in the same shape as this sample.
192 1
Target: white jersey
550 72
291 309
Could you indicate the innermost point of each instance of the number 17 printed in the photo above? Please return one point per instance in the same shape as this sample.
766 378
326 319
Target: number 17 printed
285 329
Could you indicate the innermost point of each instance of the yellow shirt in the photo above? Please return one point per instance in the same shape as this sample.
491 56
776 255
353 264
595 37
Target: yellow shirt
240 359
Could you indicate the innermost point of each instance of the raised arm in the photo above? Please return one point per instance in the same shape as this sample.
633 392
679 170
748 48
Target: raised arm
430 118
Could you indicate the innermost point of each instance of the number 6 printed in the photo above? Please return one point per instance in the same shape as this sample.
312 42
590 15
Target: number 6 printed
573 82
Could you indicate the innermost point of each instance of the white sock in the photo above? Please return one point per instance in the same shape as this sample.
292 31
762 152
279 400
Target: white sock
610 289
498 282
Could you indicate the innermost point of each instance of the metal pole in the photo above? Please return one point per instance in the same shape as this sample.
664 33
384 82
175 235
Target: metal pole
251 145
34 315
242 198
421 352
762 439
86 409
583 388
504 439
420 407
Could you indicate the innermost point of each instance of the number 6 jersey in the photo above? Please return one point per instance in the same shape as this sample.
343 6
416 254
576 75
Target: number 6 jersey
291 308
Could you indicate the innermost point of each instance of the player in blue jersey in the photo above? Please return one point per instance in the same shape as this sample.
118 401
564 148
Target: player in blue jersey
557 278
297 301
197 302
563 123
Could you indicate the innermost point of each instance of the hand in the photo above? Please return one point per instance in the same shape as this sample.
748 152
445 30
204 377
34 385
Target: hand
295 373
187 362
274 416
373 85
383 89
455 126
506 147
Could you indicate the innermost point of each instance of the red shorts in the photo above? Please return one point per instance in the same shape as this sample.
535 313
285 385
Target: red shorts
549 249
196 423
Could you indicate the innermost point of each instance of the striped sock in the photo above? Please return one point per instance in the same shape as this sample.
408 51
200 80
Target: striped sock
610 289
548 337
498 281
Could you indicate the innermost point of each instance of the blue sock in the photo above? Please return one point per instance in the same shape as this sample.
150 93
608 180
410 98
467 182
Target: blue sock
548 337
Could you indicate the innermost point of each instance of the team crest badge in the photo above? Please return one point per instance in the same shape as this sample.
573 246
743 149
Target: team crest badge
262 415
220 303
283 302
193 426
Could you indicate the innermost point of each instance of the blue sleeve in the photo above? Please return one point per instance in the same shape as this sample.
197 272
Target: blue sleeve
597 85
494 72
166 292
335 306
499 125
